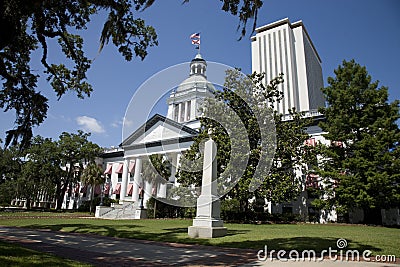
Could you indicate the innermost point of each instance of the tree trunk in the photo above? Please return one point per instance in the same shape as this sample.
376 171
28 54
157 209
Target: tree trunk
154 208
91 198
28 203
58 194
60 197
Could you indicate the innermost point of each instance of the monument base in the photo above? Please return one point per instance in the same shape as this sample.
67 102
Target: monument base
206 232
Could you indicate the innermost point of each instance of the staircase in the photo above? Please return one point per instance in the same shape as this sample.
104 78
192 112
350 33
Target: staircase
127 210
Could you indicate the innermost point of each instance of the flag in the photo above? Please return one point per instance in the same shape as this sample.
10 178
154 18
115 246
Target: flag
196 41
195 36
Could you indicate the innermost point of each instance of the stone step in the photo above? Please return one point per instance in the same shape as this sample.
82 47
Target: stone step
122 211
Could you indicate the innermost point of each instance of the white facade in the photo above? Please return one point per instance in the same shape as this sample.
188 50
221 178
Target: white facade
168 136
284 47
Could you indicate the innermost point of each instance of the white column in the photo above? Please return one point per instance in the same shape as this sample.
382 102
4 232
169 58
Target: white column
125 173
188 111
137 179
193 111
173 168
148 186
162 190
179 113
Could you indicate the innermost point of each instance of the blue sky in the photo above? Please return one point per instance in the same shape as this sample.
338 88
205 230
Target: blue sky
364 30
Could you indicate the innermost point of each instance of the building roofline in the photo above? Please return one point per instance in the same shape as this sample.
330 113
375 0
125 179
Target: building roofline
300 23
150 123
291 25
273 25
114 154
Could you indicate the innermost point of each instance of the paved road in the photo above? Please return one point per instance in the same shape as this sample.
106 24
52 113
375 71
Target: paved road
110 251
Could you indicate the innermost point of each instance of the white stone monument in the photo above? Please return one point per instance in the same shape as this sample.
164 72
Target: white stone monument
208 223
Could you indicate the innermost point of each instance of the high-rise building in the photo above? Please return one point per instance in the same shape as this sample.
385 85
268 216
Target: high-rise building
285 47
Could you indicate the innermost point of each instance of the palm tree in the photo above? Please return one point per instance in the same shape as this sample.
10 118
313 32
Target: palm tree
92 175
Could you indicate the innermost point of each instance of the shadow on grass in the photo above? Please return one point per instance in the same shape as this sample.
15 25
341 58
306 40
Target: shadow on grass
124 231
15 255
179 235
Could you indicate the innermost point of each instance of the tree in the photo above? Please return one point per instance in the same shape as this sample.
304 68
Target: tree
361 166
10 163
41 170
92 175
27 26
252 102
10 168
75 150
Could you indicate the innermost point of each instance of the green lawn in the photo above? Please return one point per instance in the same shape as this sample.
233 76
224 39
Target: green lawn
380 240
14 255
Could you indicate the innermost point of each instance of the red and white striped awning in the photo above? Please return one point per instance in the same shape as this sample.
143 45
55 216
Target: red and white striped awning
117 189
109 169
120 168
132 167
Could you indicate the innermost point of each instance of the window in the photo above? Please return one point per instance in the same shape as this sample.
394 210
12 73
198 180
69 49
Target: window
182 118
188 104
176 112
119 177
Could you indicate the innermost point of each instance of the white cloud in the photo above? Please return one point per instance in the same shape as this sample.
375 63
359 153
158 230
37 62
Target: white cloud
90 124
116 123
121 123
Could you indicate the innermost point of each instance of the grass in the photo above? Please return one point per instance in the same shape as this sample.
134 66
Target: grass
380 240
15 255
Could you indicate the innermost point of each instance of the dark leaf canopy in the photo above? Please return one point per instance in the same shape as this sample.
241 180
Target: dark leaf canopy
29 25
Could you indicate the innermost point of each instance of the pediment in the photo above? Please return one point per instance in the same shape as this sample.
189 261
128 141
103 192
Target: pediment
158 128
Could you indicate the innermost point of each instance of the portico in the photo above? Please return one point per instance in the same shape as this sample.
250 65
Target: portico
167 136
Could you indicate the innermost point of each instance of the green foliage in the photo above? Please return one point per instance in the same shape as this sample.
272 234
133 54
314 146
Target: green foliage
160 210
252 102
26 26
86 206
364 171
244 9
7 192
37 171
156 168
92 175
10 163
291 153
75 150
380 240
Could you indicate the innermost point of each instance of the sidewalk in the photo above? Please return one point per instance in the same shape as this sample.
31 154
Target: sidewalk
110 251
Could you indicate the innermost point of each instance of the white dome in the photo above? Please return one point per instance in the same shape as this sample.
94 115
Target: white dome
195 81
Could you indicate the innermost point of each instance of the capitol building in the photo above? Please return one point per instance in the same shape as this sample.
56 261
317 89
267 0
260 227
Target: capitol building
279 47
